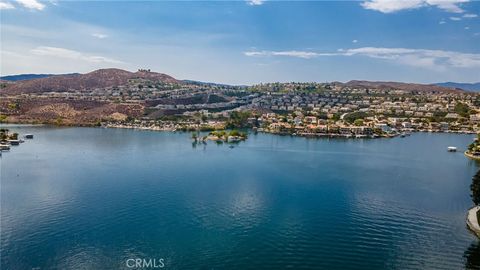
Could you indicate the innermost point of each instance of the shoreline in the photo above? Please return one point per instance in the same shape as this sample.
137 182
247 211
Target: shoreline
471 156
307 135
472 220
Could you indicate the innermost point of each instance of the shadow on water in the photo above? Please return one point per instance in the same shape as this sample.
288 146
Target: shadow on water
472 256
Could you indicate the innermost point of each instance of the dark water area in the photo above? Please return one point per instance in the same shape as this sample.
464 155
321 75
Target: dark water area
92 198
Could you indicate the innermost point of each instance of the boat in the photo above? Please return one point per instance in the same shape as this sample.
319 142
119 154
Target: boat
4 147
14 142
28 136
452 149
403 135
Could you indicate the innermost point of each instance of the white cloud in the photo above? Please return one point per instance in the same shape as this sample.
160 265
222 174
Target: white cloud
432 59
420 57
447 5
31 4
255 2
390 6
467 27
99 35
455 18
71 54
6 5
442 22
298 54
354 41
470 15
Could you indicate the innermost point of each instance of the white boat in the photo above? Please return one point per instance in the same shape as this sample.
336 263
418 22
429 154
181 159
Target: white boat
4 147
452 149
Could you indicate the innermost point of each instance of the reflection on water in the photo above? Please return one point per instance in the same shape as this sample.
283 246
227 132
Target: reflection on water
90 198
472 256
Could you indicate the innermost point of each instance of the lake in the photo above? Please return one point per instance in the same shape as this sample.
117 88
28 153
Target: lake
93 198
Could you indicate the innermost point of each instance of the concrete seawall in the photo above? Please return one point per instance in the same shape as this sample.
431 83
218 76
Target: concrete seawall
471 156
472 221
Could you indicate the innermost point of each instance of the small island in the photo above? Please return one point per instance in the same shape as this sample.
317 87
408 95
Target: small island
221 136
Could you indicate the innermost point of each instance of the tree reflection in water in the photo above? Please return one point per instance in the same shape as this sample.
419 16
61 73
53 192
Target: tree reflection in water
472 256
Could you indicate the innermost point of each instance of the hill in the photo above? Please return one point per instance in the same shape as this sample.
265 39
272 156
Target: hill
411 87
83 82
23 77
474 87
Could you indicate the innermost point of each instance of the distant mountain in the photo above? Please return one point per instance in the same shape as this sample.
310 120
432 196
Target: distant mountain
474 87
412 87
83 82
23 77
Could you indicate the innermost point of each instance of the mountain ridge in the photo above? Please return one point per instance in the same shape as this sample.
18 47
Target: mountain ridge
24 77
474 87
100 78
411 87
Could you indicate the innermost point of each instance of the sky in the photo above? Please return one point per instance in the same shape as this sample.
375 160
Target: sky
247 42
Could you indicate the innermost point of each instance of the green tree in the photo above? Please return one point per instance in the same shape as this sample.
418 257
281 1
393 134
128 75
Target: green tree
13 106
358 122
238 119
234 133
475 188
462 109
351 117
3 134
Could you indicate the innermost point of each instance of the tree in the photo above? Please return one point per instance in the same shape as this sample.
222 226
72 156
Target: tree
13 106
238 119
3 134
462 109
358 122
472 256
351 117
475 188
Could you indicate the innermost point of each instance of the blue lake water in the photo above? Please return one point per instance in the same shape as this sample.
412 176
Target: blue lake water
92 198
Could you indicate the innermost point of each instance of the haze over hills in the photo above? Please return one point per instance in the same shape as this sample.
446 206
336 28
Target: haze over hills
475 87
411 87
38 83
23 77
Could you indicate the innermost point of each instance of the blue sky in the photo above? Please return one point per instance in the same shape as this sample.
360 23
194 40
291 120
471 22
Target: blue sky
245 42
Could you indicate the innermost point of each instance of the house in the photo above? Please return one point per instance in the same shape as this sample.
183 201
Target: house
384 127
452 116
